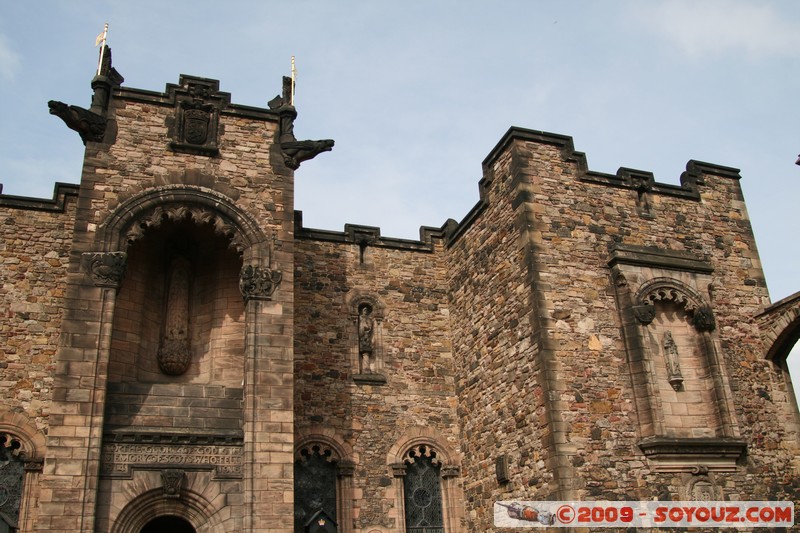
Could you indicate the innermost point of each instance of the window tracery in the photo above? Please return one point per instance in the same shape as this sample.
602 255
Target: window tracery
422 491
12 474
315 474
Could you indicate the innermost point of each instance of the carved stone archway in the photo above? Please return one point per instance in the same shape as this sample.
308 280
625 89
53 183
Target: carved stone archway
191 508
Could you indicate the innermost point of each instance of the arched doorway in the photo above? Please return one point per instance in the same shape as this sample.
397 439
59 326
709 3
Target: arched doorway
168 524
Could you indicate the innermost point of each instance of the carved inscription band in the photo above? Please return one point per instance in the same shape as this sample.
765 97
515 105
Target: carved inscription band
226 461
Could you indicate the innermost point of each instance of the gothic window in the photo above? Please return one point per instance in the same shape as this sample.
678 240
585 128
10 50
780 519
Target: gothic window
315 473
422 491
12 472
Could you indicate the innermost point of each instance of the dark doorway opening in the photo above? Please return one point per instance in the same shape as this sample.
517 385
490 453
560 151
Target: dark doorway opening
168 524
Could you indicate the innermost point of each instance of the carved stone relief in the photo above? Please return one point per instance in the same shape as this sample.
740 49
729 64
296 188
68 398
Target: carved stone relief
195 126
107 269
258 283
172 481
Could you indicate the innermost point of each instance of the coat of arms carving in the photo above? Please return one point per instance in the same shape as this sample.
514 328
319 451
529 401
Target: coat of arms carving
195 125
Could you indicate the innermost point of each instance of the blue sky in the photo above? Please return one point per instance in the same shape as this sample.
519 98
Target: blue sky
416 93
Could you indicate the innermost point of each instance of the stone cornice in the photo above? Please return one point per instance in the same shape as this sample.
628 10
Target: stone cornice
648 256
672 454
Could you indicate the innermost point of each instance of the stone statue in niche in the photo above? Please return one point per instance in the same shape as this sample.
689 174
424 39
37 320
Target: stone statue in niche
674 375
174 354
366 337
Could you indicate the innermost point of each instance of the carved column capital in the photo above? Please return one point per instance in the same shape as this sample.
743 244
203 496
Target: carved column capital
106 268
398 469
345 469
450 471
258 283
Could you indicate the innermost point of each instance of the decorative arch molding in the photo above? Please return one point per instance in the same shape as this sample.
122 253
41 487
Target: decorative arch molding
18 427
149 209
325 443
422 436
355 299
193 507
780 328
341 453
671 290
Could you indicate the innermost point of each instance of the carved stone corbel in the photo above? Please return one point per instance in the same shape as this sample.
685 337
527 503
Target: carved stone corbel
398 469
450 471
107 269
703 319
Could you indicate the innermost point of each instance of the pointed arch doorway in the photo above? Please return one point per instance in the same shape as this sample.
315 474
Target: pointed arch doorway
168 524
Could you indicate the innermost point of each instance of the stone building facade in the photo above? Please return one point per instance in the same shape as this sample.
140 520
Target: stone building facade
179 352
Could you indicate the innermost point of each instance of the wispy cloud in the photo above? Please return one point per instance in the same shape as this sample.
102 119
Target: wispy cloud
9 60
702 28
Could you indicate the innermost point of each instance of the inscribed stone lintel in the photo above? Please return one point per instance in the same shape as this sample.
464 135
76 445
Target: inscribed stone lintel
118 460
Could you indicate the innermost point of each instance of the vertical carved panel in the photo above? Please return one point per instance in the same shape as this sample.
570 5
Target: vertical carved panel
174 355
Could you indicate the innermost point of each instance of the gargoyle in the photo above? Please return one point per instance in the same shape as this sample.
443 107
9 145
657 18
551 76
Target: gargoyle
295 152
90 126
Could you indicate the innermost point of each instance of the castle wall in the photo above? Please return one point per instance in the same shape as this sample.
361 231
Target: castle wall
186 344
149 192
502 403
36 235
600 399
34 243
407 393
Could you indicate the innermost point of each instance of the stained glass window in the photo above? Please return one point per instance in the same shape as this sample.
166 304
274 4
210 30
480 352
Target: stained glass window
314 486
422 492
12 471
